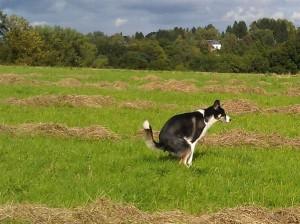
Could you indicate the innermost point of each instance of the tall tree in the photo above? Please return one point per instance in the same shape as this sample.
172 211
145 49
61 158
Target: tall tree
3 23
24 43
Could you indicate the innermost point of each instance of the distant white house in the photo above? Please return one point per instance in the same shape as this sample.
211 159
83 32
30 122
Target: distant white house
214 45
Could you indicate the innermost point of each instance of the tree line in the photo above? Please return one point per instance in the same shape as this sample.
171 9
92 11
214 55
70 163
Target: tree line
266 45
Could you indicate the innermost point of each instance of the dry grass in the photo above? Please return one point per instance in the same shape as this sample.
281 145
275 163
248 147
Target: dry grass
236 82
235 89
293 91
237 137
94 132
171 85
240 106
149 78
64 100
69 82
13 79
97 101
105 211
145 104
118 85
138 104
291 109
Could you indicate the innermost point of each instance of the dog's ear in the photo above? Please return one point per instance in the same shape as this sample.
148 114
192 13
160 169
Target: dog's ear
216 104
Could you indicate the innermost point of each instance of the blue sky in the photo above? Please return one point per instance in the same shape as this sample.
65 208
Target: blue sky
129 16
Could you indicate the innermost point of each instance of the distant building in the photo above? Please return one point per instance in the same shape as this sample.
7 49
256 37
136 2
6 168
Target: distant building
214 45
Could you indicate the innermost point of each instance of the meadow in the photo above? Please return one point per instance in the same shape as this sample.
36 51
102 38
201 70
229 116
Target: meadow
41 167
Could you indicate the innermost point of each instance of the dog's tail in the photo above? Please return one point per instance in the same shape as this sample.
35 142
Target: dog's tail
150 142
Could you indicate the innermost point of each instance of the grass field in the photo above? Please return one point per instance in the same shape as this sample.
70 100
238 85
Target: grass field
72 171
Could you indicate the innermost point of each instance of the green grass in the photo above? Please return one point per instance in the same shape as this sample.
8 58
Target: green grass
70 172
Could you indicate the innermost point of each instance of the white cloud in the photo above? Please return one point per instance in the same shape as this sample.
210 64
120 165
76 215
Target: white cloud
120 22
39 23
296 16
278 15
241 14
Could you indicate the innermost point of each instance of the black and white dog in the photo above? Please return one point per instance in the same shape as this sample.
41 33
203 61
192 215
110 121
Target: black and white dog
181 132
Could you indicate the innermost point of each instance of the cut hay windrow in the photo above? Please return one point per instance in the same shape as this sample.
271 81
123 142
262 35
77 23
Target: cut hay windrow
13 79
138 104
293 91
239 106
235 89
239 137
105 211
150 78
71 82
171 85
95 132
97 101
290 109
118 85
145 104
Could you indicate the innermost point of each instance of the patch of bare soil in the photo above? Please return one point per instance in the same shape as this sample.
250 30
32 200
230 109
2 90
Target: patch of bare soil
291 109
49 129
149 78
236 89
171 85
293 91
106 212
240 137
240 106
64 100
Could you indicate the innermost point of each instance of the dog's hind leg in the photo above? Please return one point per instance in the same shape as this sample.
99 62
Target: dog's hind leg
181 148
185 156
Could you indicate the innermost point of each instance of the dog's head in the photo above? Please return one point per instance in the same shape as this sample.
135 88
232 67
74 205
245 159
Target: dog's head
219 112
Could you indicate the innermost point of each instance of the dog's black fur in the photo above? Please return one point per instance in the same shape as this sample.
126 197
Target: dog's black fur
181 132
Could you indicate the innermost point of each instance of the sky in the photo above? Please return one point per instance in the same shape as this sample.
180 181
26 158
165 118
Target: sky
130 16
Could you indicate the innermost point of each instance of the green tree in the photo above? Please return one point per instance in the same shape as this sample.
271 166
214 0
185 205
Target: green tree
3 23
239 29
24 44
67 47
